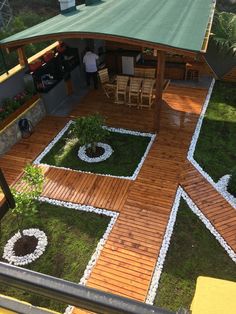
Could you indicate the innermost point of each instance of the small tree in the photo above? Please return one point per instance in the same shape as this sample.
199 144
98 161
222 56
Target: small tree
26 193
89 131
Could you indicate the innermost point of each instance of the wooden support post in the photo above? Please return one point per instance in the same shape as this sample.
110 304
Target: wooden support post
159 88
22 57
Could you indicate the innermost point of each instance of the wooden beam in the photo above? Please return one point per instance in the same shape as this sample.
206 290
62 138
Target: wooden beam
136 42
161 57
22 57
10 49
208 31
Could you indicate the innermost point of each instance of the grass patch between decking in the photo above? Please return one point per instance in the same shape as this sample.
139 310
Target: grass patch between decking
193 252
72 239
216 147
128 152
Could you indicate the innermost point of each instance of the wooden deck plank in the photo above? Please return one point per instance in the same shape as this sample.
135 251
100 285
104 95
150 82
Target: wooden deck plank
220 213
125 266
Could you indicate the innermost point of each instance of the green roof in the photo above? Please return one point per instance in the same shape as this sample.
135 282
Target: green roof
176 23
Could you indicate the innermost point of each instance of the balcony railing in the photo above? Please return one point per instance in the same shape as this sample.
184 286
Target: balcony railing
70 293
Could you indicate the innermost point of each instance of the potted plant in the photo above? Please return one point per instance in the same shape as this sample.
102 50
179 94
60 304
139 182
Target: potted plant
26 245
61 47
49 55
35 65
90 133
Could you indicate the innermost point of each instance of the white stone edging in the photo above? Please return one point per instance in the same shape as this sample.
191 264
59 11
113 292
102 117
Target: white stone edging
167 237
9 253
209 226
82 153
102 241
37 161
218 186
164 248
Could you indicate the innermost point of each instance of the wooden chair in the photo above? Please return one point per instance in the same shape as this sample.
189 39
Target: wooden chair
147 93
106 82
121 89
134 91
139 72
150 73
166 84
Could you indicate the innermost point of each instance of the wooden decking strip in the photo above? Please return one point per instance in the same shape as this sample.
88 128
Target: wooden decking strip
25 151
89 189
216 209
126 264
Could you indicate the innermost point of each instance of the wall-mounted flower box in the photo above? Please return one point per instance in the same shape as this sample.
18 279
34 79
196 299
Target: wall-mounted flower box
10 133
12 108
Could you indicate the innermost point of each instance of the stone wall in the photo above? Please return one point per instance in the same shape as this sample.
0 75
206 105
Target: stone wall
11 134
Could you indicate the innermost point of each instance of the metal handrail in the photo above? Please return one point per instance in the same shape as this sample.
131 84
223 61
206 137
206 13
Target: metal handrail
71 293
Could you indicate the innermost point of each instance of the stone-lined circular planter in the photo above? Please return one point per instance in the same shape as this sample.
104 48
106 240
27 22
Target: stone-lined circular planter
82 153
41 243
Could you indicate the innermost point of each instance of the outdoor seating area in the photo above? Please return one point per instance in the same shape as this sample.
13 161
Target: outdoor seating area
135 91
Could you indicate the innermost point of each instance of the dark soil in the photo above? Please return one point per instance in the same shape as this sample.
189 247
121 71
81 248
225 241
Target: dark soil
25 245
99 152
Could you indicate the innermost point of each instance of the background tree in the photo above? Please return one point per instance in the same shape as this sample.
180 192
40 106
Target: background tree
226 5
19 23
224 32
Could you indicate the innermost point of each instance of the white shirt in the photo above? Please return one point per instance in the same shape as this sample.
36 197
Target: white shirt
90 62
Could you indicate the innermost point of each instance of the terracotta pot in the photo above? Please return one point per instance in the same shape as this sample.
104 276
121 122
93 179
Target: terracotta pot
48 56
35 66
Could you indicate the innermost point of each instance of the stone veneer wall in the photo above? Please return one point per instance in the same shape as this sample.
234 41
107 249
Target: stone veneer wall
11 134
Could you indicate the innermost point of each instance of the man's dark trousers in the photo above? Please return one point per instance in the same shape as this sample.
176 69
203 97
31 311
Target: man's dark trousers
93 75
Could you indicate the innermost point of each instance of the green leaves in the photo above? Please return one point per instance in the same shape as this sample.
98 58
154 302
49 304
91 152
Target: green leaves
89 130
26 193
34 178
224 31
232 182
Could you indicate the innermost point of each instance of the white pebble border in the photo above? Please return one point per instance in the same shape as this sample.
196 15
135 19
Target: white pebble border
37 161
82 153
164 248
209 226
101 243
9 253
220 186
223 186
166 241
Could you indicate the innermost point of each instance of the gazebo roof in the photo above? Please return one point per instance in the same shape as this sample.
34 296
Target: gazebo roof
179 24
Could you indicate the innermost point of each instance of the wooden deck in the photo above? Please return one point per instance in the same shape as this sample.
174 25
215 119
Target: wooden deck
216 209
25 151
127 262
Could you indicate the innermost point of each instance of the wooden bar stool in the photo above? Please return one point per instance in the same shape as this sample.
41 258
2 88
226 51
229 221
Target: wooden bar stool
192 71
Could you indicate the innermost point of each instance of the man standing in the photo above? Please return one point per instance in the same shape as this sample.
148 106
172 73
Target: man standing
90 62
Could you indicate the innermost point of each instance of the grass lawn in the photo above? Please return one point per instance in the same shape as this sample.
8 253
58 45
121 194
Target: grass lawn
216 147
72 239
193 252
128 151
